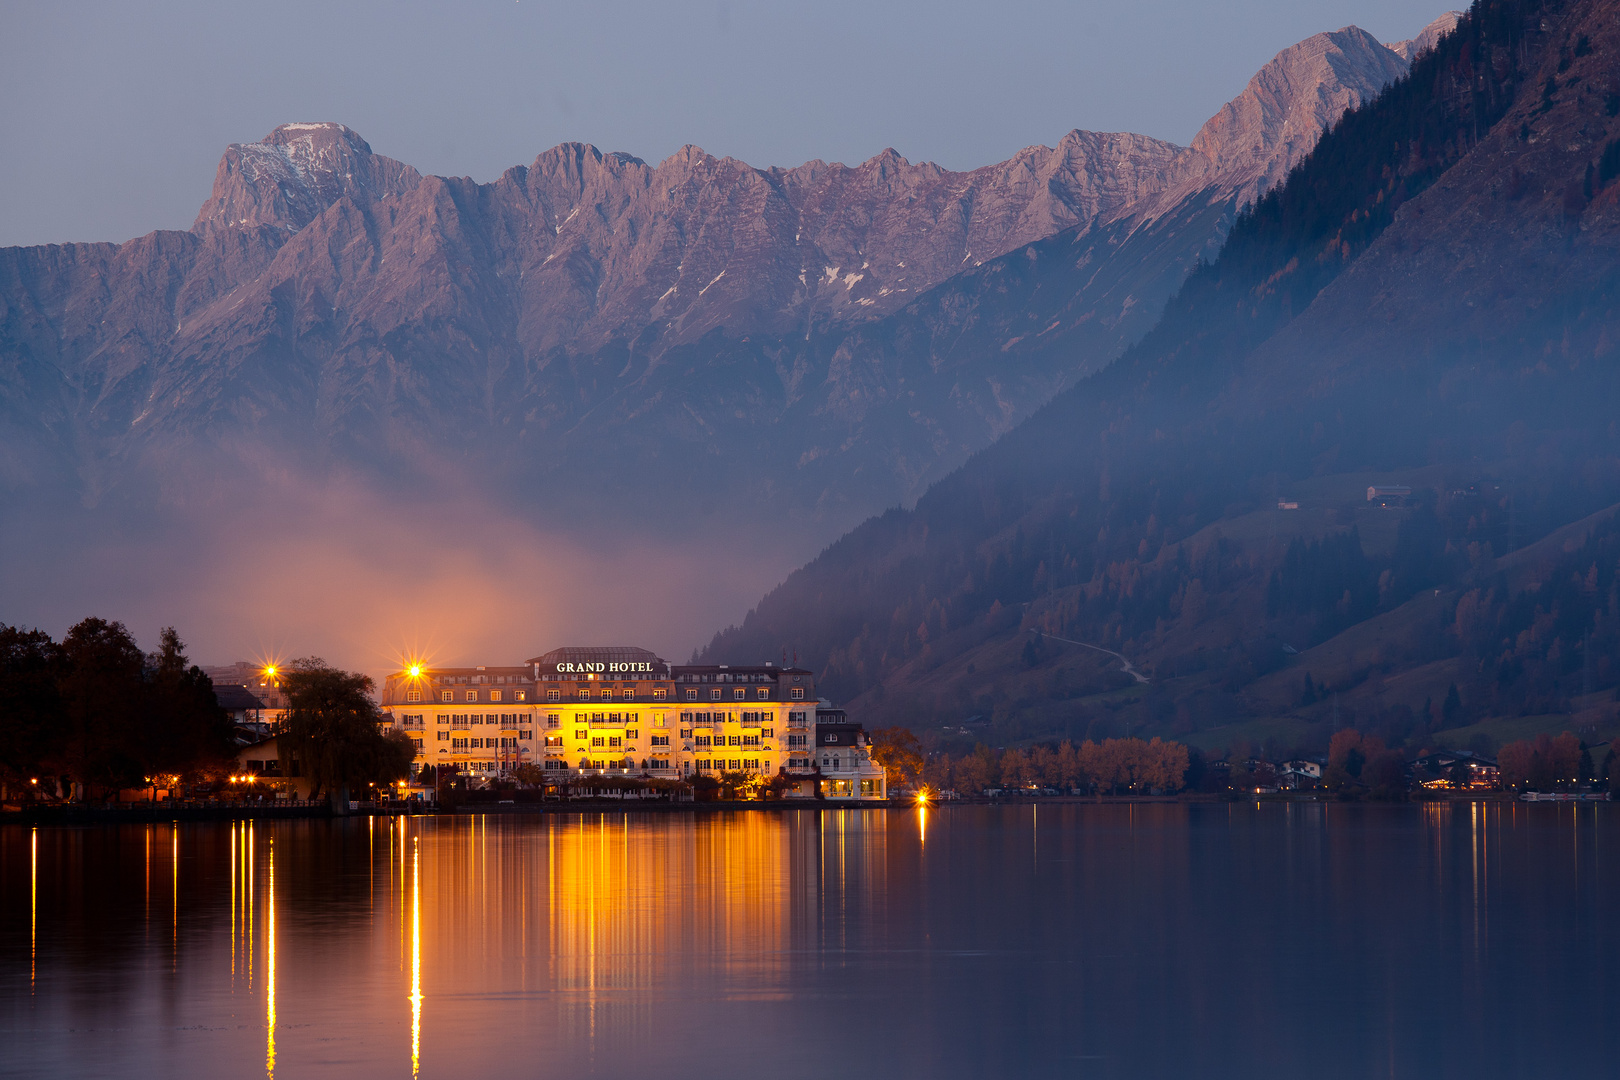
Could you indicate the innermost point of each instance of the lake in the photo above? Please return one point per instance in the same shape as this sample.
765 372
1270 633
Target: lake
1075 940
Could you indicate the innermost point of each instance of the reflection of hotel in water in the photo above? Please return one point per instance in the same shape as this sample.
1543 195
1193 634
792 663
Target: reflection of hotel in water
623 711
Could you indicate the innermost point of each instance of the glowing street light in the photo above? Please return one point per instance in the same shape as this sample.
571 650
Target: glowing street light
415 671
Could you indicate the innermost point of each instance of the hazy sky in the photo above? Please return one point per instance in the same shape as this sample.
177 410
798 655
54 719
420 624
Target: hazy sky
113 115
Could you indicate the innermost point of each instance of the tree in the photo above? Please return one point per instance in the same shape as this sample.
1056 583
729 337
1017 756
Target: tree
103 705
529 774
1452 707
186 732
334 728
897 750
30 704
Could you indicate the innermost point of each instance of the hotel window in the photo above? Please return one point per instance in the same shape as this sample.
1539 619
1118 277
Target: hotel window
714 695
553 721
629 695
615 742
739 694
444 736
767 732
477 744
553 695
584 695
598 741
632 733
735 740
750 740
472 695
701 740
798 693
796 718
691 695
660 719
494 695
553 740
658 695
751 763
446 695
417 743
523 695
797 740
413 695
580 733
525 734
660 740
458 744
736 763
764 693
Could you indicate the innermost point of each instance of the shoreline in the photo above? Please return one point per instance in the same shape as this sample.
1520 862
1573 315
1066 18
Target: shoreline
137 814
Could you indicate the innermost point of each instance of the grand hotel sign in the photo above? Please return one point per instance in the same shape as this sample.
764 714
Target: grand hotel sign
628 667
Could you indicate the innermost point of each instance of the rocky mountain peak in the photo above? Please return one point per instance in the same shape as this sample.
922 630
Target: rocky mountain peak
289 177
1412 48
1258 136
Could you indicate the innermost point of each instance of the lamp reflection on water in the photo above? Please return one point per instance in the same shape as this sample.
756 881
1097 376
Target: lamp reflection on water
33 907
416 954
270 966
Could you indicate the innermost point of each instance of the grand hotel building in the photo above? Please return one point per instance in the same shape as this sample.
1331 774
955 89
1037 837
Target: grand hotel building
624 711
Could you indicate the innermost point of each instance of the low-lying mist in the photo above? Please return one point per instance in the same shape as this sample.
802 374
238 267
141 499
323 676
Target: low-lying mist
261 564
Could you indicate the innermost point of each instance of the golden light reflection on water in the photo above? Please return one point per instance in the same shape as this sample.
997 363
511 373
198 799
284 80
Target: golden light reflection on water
416 954
270 965
33 908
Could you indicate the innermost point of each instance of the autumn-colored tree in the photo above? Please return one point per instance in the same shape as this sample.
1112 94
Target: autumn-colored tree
897 750
1015 771
979 770
1541 763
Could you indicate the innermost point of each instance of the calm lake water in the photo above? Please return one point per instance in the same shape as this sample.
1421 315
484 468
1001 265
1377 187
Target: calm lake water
1063 940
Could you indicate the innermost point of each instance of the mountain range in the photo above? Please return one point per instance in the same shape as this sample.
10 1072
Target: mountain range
830 338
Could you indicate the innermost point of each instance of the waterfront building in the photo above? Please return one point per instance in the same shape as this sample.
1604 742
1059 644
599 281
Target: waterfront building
621 711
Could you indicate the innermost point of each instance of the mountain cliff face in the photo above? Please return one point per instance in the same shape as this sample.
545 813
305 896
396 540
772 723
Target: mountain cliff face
841 335
1427 306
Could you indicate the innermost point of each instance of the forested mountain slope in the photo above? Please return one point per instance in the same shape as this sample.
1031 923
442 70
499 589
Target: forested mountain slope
1427 302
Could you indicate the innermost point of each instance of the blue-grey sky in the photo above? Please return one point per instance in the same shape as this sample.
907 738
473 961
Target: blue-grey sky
113 114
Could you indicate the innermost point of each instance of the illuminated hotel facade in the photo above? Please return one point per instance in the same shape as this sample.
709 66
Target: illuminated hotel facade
621 711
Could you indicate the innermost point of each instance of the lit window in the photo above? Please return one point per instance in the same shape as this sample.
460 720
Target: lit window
553 721
523 695
584 695
552 695
691 695
739 694
413 695
472 695
580 733
714 695
494 695
598 741
658 719
658 695
553 741
615 742
764 693
632 733
446 695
